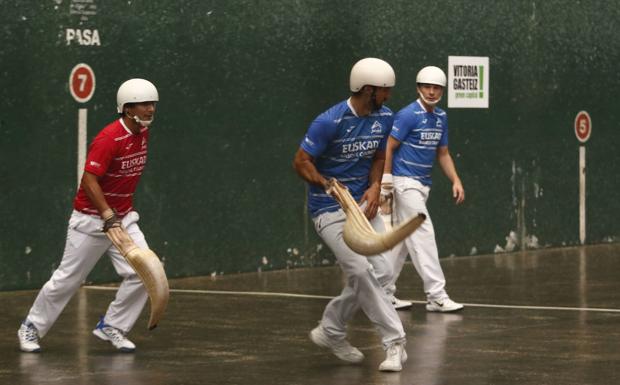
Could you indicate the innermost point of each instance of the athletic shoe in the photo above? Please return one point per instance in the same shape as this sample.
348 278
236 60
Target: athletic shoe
115 336
399 304
341 348
28 336
395 358
444 305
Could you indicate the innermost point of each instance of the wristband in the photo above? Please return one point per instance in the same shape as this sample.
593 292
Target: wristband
107 214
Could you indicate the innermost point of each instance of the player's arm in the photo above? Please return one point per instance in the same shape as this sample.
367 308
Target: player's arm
320 133
303 163
392 145
92 188
447 166
97 162
400 129
371 196
387 182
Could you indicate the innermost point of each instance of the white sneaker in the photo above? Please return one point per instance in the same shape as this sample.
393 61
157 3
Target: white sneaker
341 348
443 305
399 304
396 356
115 336
28 336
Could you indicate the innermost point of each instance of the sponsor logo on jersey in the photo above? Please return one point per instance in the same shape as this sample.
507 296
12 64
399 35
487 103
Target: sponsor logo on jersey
376 128
307 140
438 124
129 164
95 164
359 149
430 135
430 138
143 143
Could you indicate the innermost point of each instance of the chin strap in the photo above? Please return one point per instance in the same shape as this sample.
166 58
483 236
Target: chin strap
143 123
432 104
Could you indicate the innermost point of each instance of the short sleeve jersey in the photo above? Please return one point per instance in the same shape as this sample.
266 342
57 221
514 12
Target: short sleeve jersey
117 157
420 133
343 146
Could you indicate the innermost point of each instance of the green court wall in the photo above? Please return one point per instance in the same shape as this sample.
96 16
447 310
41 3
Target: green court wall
239 83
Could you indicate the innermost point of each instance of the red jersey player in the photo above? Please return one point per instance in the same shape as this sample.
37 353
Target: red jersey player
115 161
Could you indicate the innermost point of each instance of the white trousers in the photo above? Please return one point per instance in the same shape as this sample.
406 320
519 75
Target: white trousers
410 198
367 279
85 245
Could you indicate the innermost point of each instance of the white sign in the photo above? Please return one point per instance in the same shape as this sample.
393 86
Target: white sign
468 82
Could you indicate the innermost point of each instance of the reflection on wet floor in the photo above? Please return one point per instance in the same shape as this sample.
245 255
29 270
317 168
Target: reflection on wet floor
252 339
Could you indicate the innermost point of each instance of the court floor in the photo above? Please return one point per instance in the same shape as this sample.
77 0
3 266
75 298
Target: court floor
538 317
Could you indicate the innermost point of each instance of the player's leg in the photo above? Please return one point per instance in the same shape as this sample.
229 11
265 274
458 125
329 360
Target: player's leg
398 257
363 289
383 266
84 246
421 244
130 298
410 199
331 331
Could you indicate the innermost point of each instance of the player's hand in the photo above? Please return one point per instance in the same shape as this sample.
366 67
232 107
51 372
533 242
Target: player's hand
110 220
328 184
458 193
371 197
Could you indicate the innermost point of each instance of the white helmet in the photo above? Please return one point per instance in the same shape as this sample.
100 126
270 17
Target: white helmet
135 91
431 75
373 72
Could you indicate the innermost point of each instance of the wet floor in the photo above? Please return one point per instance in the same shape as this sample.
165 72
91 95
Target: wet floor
541 317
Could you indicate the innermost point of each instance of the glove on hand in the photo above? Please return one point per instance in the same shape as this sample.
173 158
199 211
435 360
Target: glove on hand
110 220
387 196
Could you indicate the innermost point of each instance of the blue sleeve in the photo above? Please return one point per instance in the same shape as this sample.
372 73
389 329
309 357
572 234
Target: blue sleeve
318 136
403 123
444 137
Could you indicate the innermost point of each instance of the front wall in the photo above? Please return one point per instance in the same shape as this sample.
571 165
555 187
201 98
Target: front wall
241 80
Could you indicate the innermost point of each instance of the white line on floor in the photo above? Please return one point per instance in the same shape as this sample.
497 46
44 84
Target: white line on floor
311 296
226 292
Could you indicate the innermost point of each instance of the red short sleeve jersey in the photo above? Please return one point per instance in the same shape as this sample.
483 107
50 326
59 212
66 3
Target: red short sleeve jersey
117 157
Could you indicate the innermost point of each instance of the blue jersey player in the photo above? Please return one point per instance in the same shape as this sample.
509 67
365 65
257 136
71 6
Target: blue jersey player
347 142
418 138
